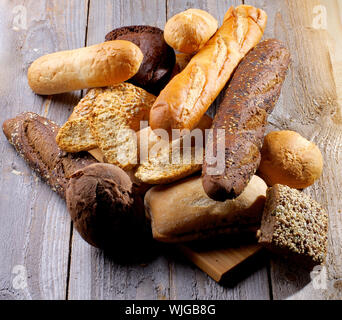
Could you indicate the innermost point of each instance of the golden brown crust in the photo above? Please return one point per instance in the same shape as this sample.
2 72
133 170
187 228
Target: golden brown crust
99 65
161 168
190 30
288 158
190 93
105 118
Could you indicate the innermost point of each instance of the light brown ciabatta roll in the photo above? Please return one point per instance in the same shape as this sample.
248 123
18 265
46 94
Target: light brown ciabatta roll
100 65
189 94
183 212
190 30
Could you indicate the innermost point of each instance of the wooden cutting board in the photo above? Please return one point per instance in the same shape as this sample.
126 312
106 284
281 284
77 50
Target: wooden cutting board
226 264
222 263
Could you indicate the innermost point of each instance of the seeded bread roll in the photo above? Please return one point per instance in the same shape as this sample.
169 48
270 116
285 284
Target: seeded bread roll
99 65
288 158
159 58
294 226
190 30
189 94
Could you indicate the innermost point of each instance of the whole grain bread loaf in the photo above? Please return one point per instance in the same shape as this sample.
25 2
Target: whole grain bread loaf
294 225
34 138
249 98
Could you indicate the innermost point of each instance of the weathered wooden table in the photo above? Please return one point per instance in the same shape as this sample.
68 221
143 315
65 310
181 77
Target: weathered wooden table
42 257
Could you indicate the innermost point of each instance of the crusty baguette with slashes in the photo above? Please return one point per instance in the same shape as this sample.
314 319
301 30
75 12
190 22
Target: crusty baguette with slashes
189 94
249 98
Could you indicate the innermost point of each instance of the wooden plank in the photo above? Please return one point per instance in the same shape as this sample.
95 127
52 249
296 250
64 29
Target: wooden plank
34 223
309 106
187 282
93 274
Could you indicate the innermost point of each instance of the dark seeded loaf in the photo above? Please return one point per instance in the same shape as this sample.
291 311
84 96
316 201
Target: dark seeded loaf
249 98
34 138
294 225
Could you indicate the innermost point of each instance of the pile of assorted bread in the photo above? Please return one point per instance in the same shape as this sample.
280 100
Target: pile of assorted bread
139 85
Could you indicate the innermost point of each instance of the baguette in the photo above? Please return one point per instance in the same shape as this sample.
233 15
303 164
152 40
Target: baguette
189 94
34 139
183 212
242 114
99 65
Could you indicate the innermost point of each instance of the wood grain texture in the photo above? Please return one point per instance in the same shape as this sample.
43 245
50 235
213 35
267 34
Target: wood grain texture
34 224
104 278
309 106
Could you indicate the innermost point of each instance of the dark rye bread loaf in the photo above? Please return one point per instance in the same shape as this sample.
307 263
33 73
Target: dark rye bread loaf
249 98
34 138
294 225
159 58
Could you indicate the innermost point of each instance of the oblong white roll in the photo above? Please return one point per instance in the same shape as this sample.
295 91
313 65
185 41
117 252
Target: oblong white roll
100 65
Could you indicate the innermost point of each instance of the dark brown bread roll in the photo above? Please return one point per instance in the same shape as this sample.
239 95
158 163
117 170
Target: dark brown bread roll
105 208
34 138
249 98
159 58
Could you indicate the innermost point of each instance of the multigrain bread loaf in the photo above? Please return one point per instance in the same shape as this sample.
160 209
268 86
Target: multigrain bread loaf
190 30
34 139
294 226
163 161
183 212
189 94
170 163
159 58
251 95
99 65
288 158
108 118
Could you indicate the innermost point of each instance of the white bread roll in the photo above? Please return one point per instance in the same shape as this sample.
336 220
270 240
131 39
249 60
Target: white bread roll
99 65
182 211
190 30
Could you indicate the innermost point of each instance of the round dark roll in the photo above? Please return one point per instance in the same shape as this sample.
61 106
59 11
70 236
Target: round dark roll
105 209
159 58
